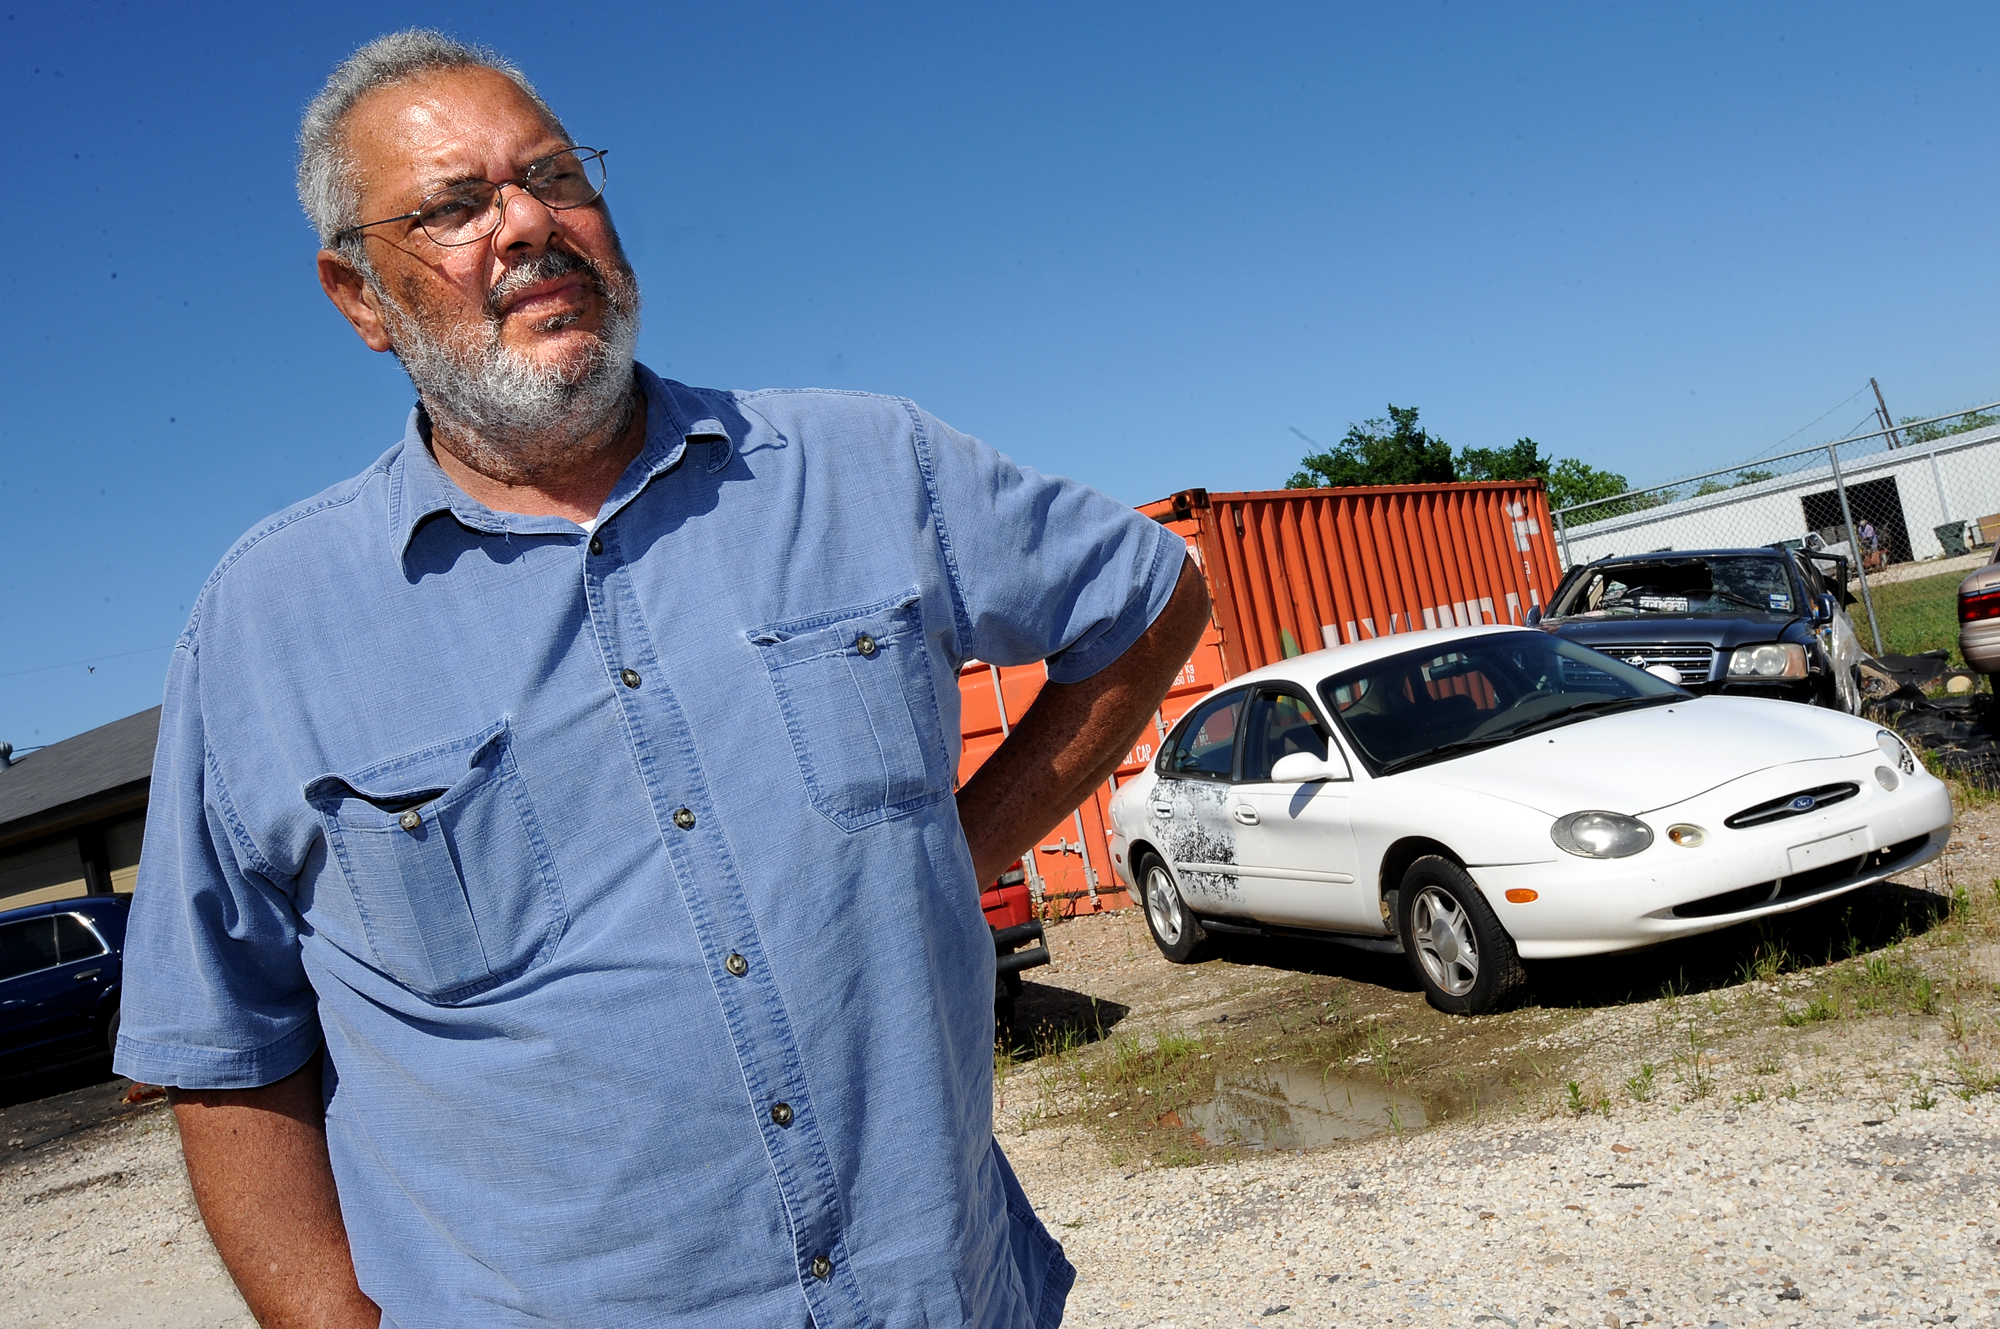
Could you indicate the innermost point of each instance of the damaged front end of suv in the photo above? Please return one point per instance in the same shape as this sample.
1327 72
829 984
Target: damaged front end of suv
1767 622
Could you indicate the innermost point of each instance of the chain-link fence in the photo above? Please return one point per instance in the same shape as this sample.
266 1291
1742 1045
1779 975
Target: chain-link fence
1920 499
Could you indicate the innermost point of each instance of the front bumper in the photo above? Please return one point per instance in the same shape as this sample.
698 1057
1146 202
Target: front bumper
1587 906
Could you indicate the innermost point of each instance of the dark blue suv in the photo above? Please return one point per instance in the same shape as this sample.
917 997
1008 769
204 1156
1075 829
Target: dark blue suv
60 964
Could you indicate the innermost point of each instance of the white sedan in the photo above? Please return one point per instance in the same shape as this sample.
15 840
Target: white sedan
1474 797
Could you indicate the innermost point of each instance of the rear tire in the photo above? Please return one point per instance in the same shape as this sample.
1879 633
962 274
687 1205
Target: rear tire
111 1028
1457 949
1176 931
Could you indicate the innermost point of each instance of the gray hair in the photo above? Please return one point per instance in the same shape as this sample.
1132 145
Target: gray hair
327 187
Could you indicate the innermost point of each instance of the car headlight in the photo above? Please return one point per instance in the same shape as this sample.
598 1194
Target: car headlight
1896 750
1776 659
1601 834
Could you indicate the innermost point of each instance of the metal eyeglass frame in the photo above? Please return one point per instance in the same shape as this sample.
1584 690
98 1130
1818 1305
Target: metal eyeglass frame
526 184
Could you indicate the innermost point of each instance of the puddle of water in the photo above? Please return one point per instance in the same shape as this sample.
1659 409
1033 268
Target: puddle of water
1282 1108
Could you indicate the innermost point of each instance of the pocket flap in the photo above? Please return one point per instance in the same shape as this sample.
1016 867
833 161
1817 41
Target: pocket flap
407 781
859 631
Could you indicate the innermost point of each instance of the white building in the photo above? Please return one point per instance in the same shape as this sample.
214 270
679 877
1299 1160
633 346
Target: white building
1904 493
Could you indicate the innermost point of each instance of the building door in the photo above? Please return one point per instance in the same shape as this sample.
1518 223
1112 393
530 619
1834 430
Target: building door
1875 503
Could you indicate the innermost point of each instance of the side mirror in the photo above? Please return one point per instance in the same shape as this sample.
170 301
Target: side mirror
1304 768
1534 615
1827 608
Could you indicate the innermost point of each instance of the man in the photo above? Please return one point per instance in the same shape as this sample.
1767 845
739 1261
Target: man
555 909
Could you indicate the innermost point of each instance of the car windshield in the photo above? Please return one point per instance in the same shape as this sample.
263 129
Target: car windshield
1433 703
1735 584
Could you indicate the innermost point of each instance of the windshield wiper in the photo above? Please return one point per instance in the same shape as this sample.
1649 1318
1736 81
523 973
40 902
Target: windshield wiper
1445 750
1585 710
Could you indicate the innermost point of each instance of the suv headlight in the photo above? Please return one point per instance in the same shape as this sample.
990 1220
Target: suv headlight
1774 660
1601 834
1896 750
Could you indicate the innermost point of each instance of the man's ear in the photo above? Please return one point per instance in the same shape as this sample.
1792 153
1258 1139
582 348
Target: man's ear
351 296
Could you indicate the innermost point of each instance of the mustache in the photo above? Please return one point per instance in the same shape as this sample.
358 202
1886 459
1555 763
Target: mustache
546 266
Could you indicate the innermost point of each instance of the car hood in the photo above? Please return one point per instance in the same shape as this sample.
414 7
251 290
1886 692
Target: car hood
1637 761
1719 630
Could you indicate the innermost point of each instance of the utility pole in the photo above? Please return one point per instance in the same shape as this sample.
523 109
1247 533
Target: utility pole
1882 410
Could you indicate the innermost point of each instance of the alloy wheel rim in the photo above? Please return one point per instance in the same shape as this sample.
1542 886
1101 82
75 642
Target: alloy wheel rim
1163 905
1446 946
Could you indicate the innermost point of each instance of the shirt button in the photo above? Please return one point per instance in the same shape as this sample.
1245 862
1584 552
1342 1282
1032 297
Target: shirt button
822 1267
410 820
596 545
684 818
736 965
629 677
865 644
781 1114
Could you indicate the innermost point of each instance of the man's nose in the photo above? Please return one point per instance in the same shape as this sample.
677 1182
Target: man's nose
524 221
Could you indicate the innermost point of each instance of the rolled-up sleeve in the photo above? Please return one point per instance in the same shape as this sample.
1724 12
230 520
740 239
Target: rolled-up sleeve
1044 568
214 993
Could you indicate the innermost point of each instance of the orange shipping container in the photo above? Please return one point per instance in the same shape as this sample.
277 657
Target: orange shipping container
1289 571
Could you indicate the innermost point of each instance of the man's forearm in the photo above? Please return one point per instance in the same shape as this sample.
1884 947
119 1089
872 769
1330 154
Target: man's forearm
258 1163
1075 735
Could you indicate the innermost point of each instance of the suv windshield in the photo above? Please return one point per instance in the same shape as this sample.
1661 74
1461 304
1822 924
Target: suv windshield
1734 584
1429 704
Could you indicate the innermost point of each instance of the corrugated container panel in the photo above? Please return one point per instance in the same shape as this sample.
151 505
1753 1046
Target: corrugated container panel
1295 570
1289 571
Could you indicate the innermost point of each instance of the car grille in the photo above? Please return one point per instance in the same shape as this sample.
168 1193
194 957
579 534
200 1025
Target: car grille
1696 663
1792 805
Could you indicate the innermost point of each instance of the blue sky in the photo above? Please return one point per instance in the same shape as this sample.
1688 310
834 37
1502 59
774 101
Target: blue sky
1137 244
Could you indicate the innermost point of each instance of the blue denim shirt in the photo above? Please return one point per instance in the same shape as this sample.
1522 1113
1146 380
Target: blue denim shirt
621 875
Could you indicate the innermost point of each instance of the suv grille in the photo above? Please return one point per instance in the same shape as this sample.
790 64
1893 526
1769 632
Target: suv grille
1696 663
1792 805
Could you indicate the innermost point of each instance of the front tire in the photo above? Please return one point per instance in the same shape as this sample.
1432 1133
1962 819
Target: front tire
1457 949
1176 931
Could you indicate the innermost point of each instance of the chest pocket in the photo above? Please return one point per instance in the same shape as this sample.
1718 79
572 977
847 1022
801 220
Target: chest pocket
855 687
451 878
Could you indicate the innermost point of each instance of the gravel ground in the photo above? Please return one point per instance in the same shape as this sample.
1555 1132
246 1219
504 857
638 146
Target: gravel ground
1775 1215
98 1228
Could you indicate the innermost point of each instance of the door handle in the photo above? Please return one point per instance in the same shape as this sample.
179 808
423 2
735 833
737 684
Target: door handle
1163 810
88 973
1244 813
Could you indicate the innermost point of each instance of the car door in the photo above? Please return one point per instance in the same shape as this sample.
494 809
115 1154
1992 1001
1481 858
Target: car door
1295 842
32 985
1189 804
85 969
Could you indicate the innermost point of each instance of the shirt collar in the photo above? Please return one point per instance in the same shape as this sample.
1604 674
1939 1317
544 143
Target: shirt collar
676 416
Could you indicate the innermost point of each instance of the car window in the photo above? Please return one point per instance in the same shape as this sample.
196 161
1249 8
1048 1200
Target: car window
1279 724
1732 584
27 946
75 940
1208 740
1425 705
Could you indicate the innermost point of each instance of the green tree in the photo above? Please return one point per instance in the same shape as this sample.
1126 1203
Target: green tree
1379 452
1523 461
1572 482
1926 433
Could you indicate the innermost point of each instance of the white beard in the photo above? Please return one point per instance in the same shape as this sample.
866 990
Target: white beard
510 417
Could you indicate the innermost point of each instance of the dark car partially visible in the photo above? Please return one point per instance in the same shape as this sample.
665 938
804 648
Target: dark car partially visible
60 966
1768 622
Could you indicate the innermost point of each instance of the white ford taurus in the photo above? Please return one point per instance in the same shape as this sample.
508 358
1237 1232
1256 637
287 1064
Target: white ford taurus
1474 797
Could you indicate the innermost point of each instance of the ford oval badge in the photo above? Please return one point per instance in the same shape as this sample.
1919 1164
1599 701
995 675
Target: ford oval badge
1803 803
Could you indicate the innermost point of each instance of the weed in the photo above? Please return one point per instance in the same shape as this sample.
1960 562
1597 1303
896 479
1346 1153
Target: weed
1640 1086
1576 1104
1768 1064
1923 1100
1815 1011
1695 1066
1754 1094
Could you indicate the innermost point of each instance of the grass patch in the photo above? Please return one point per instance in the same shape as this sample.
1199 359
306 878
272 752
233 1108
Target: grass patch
1916 616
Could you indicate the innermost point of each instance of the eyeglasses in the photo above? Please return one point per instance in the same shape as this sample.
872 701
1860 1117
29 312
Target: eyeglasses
464 213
